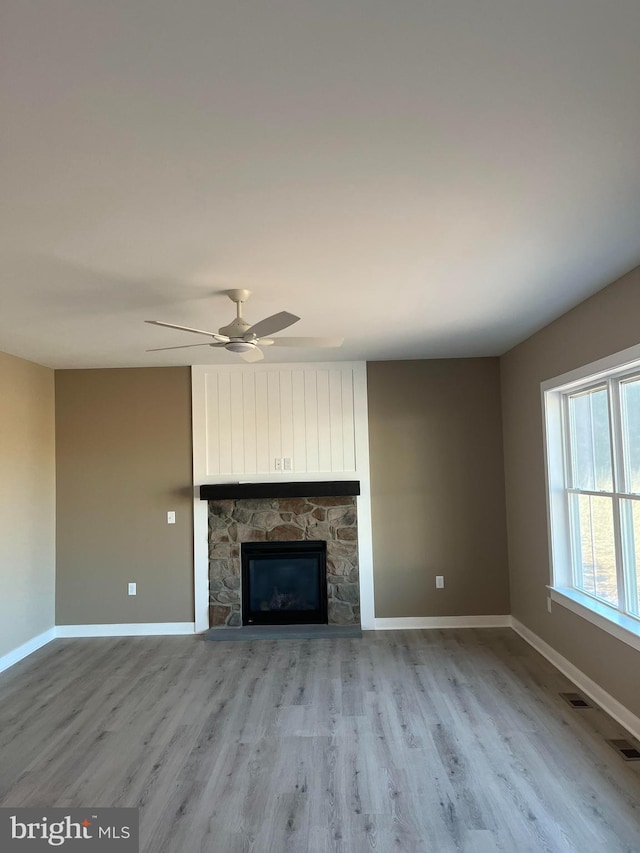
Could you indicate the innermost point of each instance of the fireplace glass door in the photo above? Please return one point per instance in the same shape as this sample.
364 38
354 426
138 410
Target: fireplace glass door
284 583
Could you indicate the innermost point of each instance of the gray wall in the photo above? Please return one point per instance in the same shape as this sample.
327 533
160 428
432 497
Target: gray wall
604 324
437 487
27 520
123 444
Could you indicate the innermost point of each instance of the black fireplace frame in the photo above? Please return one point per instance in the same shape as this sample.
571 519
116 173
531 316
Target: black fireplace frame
251 550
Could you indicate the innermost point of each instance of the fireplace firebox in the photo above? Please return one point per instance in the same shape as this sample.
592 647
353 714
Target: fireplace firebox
284 583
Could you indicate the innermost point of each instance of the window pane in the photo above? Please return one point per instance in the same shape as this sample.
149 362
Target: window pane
630 520
590 441
594 538
630 394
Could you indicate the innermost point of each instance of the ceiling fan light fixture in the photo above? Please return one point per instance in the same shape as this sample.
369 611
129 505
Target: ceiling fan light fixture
240 346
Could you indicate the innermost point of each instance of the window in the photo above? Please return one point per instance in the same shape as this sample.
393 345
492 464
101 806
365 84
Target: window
592 420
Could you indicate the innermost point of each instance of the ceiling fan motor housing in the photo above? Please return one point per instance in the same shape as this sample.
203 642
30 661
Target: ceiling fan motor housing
235 329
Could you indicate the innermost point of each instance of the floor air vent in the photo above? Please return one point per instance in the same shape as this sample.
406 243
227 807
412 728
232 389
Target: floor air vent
626 749
576 700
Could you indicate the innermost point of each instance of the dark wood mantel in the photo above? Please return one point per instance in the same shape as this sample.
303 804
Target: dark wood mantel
306 489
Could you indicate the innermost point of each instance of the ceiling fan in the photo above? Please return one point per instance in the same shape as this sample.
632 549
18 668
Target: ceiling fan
241 337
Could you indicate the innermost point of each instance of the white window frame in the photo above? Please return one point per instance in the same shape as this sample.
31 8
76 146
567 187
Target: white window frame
561 587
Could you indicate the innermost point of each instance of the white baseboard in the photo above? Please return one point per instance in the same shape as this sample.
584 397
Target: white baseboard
132 629
403 623
604 700
27 648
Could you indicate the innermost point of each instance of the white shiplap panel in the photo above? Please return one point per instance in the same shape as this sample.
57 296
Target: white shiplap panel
335 420
324 422
237 424
299 422
286 414
249 417
224 422
275 434
348 422
262 424
311 419
212 438
257 416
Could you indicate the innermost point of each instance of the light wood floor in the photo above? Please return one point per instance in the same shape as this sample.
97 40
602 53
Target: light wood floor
430 741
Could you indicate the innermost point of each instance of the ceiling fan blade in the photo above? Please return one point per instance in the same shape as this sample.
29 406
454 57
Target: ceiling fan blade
307 342
222 338
252 355
184 346
270 325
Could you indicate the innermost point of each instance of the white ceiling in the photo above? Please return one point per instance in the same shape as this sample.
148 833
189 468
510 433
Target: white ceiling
428 178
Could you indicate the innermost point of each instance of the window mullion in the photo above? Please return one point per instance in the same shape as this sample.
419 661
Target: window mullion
620 573
629 557
619 485
571 499
594 461
566 443
576 545
617 441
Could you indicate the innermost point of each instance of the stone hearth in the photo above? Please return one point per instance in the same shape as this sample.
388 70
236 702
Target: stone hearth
234 521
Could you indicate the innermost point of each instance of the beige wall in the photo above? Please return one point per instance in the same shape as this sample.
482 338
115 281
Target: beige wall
604 324
437 487
27 521
123 444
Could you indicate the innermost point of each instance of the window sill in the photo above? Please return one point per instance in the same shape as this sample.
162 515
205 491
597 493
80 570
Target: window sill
617 624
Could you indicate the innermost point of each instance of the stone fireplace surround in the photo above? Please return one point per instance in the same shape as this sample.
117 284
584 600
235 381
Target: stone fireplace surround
235 519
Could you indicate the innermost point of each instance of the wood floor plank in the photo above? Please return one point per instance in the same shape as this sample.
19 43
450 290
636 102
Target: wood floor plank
429 741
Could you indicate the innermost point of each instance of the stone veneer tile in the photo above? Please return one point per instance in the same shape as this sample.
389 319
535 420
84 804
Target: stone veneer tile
333 519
